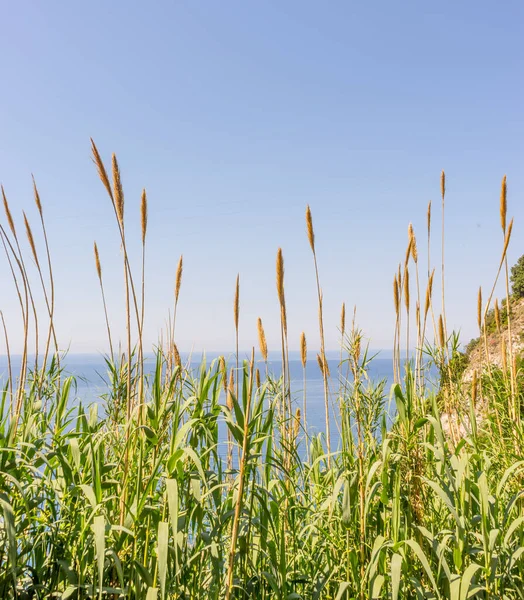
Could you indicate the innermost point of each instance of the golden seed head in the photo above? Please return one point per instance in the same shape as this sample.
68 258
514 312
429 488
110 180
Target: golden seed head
474 387
504 354
178 278
257 377
310 232
497 315
428 301
102 173
303 349
236 307
320 363
262 340
408 252
31 240
143 215
479 308
429 217
443 185
506 239
406 289
430 282
231 390
283 314
97 262
396 294
176 355
503 204
343 320
280 277
413 239
118 191
8 214
442 337
296 424
223 372
37 197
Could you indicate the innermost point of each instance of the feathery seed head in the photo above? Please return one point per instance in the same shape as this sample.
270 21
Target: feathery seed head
8 213
37 197
143 215
442 337
506 239
262 340
497 315
413 239
97 262
479 308
443 184
236 308
257 377
303 349
396 295
280 276
118 191
178 278
503 204
231 390
102 173
343 320
176 354
310 231
429 217
223 372
406 289
31 240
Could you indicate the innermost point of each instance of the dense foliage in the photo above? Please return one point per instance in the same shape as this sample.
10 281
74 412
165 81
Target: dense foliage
205 482
517 278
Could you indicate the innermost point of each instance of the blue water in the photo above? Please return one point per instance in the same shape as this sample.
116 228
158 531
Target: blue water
91 374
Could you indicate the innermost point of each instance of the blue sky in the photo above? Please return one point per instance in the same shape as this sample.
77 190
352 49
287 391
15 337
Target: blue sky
235 115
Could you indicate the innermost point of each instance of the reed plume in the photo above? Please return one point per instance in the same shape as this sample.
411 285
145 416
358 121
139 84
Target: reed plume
8 214
343 320
441 335
31 240
479 308
143 215
497 315
178 278
102 173
176 354
503 204
118 192
303 359
262 339
310 231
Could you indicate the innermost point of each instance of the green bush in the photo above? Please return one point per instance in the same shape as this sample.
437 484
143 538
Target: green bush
517 278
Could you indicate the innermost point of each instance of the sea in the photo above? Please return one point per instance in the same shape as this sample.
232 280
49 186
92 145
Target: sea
90 373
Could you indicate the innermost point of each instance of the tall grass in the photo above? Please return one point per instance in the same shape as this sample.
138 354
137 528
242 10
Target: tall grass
142 499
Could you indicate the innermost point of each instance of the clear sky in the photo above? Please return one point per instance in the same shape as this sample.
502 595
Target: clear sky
234 115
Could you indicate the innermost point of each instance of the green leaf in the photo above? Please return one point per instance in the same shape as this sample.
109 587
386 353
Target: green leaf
163 539
396 573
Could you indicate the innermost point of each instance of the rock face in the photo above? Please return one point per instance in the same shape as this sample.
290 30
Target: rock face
478 358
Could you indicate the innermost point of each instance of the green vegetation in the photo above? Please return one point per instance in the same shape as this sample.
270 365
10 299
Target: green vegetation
141 500
517 278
